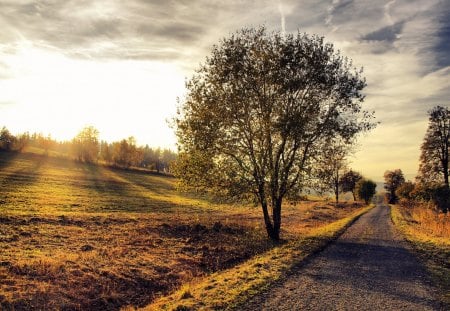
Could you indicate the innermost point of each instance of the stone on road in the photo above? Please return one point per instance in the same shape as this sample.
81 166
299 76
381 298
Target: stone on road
369 267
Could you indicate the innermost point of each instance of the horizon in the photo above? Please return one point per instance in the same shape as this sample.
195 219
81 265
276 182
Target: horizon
120 67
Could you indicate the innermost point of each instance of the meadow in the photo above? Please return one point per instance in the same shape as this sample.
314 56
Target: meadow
83 236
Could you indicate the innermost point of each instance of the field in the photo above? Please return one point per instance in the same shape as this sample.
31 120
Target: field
429 233
79 236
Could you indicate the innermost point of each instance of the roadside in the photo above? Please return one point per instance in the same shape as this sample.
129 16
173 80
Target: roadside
430 244
227 289
369 267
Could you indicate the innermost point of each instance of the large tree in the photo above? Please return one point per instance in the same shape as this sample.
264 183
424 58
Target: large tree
434 158
392 180
257 111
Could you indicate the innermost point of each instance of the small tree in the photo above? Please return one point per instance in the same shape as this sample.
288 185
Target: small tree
434 159
330 166
257 112
348 182
393 180
366 190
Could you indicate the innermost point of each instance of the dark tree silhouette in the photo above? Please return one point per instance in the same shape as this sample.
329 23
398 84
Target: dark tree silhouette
435 148
393 180
258 111
348 182
366 190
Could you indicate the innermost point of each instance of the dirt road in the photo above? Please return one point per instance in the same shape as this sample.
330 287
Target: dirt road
368 268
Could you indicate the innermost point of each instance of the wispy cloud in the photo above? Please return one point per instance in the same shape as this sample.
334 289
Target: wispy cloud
283 20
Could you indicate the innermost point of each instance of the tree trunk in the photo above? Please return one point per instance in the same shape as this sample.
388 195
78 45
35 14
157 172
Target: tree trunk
446 174
267 221
276 210
354 196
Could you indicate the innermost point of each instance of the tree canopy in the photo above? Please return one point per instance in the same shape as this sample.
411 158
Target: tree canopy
366 189
260 109
392 180
348 182
434 158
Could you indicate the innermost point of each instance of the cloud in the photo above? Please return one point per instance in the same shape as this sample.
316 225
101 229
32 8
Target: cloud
402 44
387 34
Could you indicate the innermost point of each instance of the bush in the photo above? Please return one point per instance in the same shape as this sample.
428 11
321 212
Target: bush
405 191
441 198
439 195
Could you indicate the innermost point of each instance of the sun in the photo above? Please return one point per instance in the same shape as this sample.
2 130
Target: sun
52 93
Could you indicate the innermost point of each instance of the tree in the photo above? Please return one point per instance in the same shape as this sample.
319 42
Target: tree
260 109
86 145
348 182
393 180
405 191
366 190
330 166
6 139
435 148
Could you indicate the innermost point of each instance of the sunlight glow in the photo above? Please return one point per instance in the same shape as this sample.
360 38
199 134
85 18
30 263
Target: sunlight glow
58 95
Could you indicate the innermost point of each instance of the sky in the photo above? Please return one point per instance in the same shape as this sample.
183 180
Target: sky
121 65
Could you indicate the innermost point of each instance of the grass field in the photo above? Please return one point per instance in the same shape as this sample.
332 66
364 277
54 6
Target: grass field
78 236
429 233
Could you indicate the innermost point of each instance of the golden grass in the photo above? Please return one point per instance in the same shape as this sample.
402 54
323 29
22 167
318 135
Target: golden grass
429 233
77 236
226 290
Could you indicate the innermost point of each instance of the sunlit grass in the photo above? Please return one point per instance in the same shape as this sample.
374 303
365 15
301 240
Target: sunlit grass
80 236
429 232
228 289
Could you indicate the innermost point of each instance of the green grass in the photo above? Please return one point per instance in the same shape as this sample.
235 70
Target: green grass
429 234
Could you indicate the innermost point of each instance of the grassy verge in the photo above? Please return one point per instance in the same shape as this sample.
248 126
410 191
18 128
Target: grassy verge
230 288
432 246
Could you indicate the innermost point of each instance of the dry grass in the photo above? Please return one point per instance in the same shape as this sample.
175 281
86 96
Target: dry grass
429 233
229 289
76 236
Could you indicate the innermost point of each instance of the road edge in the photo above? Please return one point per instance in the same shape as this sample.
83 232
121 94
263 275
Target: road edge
229 289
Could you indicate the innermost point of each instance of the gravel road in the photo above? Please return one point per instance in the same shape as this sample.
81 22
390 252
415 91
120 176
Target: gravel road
368 268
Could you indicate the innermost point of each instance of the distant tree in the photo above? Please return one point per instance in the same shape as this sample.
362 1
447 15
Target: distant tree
6 139
366 190
22 141
393 180
405 191
330 166
257 113
86 145
434 159
106 152
168 157
348 182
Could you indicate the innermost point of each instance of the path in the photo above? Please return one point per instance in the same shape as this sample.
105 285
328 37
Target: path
368 268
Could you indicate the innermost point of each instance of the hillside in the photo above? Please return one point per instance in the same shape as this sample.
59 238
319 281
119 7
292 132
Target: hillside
79 236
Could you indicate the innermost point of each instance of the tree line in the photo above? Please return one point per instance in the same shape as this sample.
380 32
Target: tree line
86 147
432 182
